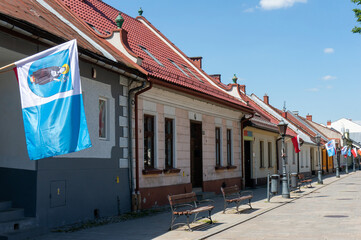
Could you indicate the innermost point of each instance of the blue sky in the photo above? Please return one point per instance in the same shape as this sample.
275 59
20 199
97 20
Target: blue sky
299 51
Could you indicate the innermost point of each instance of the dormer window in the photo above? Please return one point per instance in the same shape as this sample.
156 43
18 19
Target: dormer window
176 65
96 30
192 73
151 55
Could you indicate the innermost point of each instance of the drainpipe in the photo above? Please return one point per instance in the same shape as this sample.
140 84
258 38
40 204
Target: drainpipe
130 138
243 120
135 198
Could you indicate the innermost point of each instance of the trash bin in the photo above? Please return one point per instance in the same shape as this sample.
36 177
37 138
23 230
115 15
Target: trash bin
293 180
274 183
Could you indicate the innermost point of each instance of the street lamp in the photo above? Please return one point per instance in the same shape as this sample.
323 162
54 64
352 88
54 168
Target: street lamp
338 153
318 140
347 136
282 127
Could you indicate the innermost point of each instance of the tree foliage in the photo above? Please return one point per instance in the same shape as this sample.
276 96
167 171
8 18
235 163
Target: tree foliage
357 12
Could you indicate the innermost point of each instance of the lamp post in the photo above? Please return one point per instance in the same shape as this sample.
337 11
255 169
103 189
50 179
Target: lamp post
338 152
318 140
346 140
282 127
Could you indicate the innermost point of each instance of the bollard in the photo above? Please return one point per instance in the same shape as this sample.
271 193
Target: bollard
293 180
274 183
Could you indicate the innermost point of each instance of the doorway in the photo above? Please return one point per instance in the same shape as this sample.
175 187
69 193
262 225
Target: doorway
247 164
196 154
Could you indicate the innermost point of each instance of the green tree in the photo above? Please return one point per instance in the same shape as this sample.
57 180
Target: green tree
357 12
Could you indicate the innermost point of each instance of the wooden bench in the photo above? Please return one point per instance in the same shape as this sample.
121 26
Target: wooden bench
186 204
234 195
304 181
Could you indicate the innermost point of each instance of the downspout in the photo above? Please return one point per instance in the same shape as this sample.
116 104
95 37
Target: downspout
135 196
130 138
243 120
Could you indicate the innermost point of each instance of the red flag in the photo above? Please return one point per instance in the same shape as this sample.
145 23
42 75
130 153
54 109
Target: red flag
296 144
354 152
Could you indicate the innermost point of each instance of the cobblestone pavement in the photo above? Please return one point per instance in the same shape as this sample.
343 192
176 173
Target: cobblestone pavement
331 212
328 211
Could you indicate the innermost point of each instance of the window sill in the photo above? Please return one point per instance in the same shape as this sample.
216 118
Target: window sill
231 167
220 168
150 171
171 170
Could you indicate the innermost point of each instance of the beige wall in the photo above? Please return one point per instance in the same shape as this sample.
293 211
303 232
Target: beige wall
163 103
266 137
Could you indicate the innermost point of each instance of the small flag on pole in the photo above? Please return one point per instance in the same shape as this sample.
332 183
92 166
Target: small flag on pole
296 143
330 147
354 152
52 102
344 151
359 151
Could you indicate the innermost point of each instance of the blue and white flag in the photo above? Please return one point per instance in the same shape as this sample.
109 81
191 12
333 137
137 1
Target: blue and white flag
52 102
330 147
344 151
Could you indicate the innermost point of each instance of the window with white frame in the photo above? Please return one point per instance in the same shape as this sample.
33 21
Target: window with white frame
269 154
102 118
169 140
218 146
229 147
149 141
261 154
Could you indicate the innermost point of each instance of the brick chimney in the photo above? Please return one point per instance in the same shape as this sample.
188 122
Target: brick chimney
309 117
284 114
197 61
328 123
217 77
242 88
266 99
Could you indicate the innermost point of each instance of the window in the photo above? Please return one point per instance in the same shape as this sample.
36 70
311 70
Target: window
102 118
218 146
151 55
94 28
269 154
192 73
261 150
176 65
168 143
148 141
229 147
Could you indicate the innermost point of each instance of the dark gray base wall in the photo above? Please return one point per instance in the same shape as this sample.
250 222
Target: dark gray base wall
19 186
77 190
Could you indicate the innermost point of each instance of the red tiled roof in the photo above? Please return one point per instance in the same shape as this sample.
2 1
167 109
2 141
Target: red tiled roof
102 16
31 14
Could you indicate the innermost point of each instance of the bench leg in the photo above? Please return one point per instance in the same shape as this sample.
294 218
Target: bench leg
189 228
210 216
249 203
172 222
237 206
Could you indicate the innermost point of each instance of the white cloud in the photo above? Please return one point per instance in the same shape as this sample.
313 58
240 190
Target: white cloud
276 4
329 87
329 50
328 78
313 89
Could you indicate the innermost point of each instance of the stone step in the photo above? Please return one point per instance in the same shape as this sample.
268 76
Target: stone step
5 205
11 214
23 234
17 224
